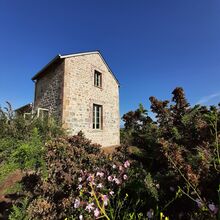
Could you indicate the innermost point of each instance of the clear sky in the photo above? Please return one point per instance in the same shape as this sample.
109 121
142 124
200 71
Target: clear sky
152 46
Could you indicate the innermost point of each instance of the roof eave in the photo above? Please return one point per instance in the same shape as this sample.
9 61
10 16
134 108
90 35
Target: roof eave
57 57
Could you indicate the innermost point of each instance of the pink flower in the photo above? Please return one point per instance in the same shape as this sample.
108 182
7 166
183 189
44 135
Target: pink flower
127 164
111 193
101 174
125 176
96 213
76 203
90 207
116 180
110 179
105 199
90 178
121 168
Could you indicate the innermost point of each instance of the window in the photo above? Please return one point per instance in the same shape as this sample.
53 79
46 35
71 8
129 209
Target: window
97 79
97 116
27 116
42 113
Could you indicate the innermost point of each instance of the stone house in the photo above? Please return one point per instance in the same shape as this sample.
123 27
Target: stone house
81 91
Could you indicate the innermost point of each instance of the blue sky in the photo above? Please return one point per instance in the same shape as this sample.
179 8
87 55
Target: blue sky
152 45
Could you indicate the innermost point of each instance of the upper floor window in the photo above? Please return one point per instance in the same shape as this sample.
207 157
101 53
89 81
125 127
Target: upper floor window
97 79
97 116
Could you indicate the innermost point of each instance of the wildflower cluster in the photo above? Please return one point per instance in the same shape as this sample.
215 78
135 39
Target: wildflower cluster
95 190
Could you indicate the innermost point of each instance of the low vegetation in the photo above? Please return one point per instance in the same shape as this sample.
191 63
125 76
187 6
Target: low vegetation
166 168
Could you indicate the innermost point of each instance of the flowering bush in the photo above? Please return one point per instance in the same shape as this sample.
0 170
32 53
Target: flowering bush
81 181
97 190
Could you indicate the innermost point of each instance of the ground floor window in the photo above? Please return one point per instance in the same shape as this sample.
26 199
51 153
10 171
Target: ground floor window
97 116
42 113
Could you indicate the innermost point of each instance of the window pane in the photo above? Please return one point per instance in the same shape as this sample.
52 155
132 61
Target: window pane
97 116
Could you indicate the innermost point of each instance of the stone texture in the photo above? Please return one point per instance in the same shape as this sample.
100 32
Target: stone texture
49 90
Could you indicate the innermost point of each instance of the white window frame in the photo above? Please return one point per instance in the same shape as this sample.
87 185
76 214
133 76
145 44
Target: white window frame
95 108
41 109
27 114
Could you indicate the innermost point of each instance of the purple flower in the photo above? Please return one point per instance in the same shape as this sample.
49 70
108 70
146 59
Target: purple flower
90 207
125 176
110 179
101 174
199 203
127 164
96 212
105 199
213 208
76 203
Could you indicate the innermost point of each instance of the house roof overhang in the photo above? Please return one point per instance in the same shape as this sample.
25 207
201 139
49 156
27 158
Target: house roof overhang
60 57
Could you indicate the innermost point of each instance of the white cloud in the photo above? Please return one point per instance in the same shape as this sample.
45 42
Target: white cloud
206 99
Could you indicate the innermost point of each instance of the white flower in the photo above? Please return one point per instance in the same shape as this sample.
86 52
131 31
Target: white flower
79 186
101 174
80 179
76 203
99 185
111 193
80 217
125 176
150 213
113 166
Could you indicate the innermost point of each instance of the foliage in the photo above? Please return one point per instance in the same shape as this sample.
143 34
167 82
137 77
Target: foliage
182 154
172 171
22 140
19 211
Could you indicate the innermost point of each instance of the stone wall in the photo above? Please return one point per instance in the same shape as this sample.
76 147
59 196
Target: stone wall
49 89
80 94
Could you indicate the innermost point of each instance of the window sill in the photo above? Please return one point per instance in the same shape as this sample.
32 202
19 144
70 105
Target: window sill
99 87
